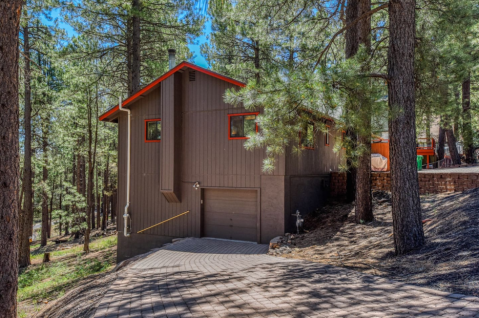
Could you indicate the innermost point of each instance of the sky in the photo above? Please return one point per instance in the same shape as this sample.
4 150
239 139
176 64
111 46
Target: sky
194 48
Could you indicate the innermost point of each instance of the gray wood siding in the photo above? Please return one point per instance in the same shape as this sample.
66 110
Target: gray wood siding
171 103
320 160
147 205
207 156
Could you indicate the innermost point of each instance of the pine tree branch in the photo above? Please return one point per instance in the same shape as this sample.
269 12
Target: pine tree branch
365 15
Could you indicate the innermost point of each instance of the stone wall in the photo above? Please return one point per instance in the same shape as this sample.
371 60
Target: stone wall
428 182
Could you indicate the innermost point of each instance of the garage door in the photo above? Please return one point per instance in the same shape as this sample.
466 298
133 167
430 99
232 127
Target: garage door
230 214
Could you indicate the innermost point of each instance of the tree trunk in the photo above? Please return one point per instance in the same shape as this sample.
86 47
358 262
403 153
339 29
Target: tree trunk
256 61
50 214
105 196
10 12
113 206
352 46
467 134
451 143
44 190
136 50
440 144
97 206
27 221
364 204
406 205
86 244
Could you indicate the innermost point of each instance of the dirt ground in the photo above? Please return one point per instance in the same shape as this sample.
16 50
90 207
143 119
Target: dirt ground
449 261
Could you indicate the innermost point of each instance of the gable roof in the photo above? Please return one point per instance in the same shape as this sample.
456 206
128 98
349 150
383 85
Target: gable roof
156 82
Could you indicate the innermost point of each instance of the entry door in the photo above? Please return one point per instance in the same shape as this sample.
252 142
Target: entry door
230 214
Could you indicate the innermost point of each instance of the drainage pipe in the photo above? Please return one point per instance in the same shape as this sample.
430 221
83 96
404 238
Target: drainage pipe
126 216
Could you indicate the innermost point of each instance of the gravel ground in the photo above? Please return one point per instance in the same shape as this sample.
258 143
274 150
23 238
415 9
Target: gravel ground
449 261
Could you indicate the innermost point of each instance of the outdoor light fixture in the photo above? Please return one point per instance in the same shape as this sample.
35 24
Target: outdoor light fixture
196 186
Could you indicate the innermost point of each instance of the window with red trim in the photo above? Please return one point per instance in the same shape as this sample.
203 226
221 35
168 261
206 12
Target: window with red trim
326 136
153 130
306 135
240 126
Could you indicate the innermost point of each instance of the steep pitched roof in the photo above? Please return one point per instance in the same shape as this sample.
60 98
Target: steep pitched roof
155 83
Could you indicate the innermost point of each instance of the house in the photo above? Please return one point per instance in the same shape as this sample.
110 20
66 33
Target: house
188 166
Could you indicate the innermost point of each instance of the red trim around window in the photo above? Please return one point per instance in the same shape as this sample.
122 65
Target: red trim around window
146 121
229 124
326 136
300 145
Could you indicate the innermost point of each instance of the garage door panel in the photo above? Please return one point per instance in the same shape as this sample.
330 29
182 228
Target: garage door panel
231 206
240 234
230 214
229 219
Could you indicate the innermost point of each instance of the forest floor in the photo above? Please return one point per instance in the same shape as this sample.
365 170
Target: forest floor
69 267
449 261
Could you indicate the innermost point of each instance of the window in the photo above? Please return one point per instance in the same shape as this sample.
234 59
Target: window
240 126
307 136
326 136
152 130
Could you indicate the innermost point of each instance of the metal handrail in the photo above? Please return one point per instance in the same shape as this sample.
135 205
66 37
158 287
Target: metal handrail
163 222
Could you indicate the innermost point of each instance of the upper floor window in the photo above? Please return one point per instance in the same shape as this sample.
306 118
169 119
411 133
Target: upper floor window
307 136
240 126
326 136
152 130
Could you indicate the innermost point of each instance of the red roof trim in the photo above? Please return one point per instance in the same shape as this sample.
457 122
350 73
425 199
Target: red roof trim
165 76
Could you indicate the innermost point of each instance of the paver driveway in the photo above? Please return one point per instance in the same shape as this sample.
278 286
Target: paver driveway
213 278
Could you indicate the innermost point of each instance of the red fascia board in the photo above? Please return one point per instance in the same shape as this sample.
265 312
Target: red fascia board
165 76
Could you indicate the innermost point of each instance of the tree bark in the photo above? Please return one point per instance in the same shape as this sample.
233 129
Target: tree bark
105 196
97 206
352 47
406 205
256 62
451 143
364 204
50 212
136 49
44 190
27 221
467 134
10 12
440 144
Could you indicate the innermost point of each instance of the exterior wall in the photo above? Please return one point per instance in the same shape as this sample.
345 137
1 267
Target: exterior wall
429 183
308 176
207 156
318 161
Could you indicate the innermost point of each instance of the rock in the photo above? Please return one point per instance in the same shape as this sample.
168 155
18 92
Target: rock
177 239
166 244
275 242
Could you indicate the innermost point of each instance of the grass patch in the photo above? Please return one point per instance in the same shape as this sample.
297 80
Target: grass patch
67 268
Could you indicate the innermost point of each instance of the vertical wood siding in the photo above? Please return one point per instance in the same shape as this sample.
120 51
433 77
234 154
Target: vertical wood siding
320 160
207 156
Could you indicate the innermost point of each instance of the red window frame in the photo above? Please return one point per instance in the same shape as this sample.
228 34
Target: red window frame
146 131
326 136
301 145
229 125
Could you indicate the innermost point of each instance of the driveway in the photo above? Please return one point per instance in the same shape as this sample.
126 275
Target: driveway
214 278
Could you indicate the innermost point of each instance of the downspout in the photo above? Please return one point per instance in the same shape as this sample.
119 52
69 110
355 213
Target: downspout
126 216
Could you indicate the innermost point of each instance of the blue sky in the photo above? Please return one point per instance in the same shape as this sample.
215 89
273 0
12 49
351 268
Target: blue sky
195 48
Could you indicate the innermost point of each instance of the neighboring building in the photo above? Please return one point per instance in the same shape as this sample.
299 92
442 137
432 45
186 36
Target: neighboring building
187 154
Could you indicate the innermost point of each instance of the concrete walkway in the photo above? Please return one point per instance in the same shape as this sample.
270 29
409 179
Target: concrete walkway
213 278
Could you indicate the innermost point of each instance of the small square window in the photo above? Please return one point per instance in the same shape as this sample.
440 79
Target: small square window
242 125
152 130
307 136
